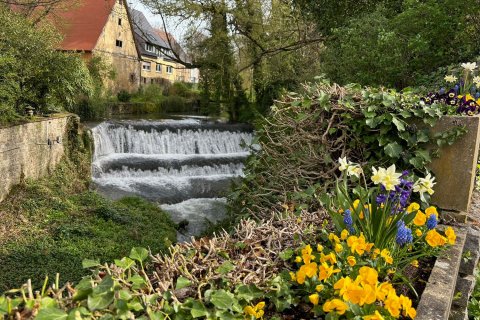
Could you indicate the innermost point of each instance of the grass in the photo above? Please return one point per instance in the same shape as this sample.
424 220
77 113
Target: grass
51 225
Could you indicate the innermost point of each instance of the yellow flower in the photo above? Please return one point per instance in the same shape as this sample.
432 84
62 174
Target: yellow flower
307 254
333 237
369 275
369 246
430 211
368 295
450 235
355 203
413 207
392 304
319 288
329 257
313 299
351 261
415 263
420 218
307 250
418 232
361 215
294 278
348 289
376 316
389 260
385 253
357 244
433 238
326 272
383 290
338 247
391 271
301 276
335 305
256 311
408 311
376 252
319 248
309 269
298 259
344 234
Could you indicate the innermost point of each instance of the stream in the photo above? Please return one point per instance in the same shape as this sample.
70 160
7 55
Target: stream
185 164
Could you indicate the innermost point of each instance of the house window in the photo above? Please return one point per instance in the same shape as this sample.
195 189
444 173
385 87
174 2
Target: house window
159 68
169 70
194 80
149 47
119 22
151 81
146 66
144 80
119 43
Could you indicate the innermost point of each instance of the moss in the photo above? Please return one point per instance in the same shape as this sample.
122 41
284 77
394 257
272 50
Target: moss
51 225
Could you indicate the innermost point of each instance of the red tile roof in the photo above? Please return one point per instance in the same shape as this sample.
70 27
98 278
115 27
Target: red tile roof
85 24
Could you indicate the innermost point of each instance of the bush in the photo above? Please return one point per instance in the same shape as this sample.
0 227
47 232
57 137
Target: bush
173 104
124 96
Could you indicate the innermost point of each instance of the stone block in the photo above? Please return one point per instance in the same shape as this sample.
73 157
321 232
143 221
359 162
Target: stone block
458 314
455 215
436 300
455 169
465 286
472 245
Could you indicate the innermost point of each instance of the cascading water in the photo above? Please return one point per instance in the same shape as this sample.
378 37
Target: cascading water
185 165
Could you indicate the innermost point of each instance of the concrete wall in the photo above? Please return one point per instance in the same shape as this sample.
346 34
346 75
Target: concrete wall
125 58
25 153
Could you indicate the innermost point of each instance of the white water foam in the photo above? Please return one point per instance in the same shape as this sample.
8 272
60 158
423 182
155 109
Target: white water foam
120 139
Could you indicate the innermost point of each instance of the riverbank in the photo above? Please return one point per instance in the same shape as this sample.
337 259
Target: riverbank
50 225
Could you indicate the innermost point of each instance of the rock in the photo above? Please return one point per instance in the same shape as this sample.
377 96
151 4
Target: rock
472 245
458 314
455 169
460 217
464 285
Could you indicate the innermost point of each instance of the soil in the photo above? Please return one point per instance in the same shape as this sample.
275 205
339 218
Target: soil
419 276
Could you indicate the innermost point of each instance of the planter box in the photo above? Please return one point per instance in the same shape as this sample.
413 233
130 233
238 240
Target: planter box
436 301
455 169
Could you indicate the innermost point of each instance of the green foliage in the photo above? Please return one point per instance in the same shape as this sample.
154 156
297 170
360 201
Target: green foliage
305 135
397 47
32 71
474 303
63 223
123 96
173 104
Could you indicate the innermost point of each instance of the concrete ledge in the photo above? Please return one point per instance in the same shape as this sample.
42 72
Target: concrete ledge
436 300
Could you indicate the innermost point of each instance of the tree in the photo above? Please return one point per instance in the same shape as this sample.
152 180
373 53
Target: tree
32 71
37 10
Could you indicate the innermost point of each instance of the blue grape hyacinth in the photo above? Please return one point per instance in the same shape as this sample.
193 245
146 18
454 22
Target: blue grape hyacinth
347 219
402 235
432 222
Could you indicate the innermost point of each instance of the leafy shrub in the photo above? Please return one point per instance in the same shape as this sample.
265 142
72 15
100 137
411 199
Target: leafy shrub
123 96
173 104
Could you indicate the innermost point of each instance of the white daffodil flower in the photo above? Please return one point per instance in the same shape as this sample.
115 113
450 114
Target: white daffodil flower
470 66
391 178
354 170
423 185
476 80
378 176
450 78
343 163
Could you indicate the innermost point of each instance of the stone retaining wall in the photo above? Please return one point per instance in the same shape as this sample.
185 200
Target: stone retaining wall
31 150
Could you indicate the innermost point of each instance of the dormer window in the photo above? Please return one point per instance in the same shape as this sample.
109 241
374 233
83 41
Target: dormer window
119 43
149 47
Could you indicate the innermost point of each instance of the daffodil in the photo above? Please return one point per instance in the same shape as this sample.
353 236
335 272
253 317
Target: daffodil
450 78
423 185
469 66
378 175
391 178
256 311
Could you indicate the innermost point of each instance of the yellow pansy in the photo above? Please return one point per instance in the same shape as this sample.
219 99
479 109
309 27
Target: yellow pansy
418 232
255 311
413 207
313 299
355 203
420 218
376 316
344 234
433 238
329 257
338 248
369 275
450 233
415 263
336 305
392 304
326 272
351 261
319 288
294 277
298 259
333 237
408 311
430 211
319 248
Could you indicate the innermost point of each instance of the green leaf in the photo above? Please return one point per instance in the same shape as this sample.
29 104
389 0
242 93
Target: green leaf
369 114
125 263
399 124
323 99
137 280
139 254
307 103
332 130
382 140
81 312
287 254
81 294
51 313
182 282
105 285
424 154
301 116
198 310
100 301
423 135
225 268
87 263
221 299
125 294
405 114
372 122
393 150
417 162
430 121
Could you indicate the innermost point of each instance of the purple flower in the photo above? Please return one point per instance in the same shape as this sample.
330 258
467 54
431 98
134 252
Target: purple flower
404 173
402 234
381 198
455 88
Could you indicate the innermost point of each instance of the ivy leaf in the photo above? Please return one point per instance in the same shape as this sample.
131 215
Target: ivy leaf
382 140
332 130
125 263
301 116
417 162
372 122
139 254
87 263
100 301
430 121
399 124
423 135
307 103
225 268
182 282
51 313
424 154
287 254
405 114
323 99
104 286
198 310
418 112
369 114
221 300
393 150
